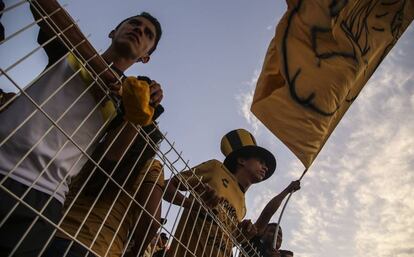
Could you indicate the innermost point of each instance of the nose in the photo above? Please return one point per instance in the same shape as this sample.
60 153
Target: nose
138 29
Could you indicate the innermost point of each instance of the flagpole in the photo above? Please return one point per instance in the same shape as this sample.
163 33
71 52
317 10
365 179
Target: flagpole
283 210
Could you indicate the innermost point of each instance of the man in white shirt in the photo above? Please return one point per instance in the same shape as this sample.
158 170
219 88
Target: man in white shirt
47 130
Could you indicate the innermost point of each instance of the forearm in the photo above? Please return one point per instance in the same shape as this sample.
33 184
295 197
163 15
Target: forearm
57 19
149 223
269 210
119 140
173 194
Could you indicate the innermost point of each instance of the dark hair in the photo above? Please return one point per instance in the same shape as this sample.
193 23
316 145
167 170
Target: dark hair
275 225
154 21
163 235
284 253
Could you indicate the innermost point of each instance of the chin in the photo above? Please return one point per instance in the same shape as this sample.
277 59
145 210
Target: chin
126 49
257 180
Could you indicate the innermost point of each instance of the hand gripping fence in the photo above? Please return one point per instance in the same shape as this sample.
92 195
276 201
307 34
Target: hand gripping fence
132 209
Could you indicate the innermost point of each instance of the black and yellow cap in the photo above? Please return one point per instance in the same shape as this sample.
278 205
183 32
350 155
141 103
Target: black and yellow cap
240 142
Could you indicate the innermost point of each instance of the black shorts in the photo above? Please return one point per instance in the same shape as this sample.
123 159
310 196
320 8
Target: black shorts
20 227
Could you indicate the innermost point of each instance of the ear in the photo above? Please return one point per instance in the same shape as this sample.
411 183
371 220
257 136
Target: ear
241 161
144 59
111 34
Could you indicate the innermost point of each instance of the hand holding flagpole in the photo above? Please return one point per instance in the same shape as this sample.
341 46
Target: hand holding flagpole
283 209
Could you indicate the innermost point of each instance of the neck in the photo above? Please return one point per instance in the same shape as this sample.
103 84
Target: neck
244 181
118 61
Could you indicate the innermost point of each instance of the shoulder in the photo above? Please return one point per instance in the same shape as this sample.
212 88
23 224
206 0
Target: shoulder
205 169
210 165
213 163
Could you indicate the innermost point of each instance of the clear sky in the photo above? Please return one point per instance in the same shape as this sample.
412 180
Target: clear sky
357 198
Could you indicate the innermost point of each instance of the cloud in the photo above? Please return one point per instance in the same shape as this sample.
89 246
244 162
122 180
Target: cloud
245 99
358 197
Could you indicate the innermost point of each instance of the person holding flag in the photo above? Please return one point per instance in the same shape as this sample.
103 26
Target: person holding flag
221 186
262 242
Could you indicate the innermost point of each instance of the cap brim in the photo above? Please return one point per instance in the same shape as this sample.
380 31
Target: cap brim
261 152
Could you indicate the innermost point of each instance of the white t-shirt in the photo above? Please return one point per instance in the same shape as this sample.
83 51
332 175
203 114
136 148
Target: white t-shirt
26 155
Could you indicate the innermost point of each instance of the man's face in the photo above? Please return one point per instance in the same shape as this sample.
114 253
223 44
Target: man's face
256 168
134 38
268 236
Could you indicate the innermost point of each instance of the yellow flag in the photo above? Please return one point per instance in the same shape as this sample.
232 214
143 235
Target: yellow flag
321 57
